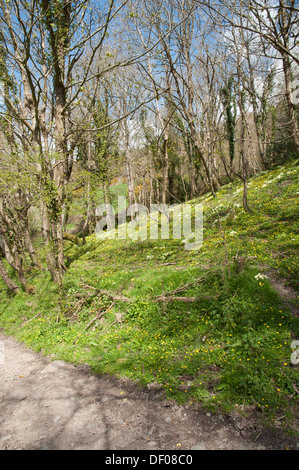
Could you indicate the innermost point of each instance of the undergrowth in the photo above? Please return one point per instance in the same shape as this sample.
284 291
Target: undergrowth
232 346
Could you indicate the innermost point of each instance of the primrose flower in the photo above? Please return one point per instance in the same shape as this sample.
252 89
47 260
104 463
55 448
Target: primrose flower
260 276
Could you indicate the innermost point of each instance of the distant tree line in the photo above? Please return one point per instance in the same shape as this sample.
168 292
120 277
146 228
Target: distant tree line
174 97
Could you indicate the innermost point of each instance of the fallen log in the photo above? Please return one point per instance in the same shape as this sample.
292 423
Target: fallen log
73 238
171 296
98 291
185 287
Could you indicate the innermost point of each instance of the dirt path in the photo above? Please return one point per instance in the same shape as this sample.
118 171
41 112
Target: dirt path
54 405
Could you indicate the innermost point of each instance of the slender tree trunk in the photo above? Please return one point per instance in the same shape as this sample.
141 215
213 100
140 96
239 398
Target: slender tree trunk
224 162
165 123
130 177
9 283
87 223
291 106
7 253
10 250
19 268
244 171
183 182
188 108
30 248
165 174
260 132
13 259
50 246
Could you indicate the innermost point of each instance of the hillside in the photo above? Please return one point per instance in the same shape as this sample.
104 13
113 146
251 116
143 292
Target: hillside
227 342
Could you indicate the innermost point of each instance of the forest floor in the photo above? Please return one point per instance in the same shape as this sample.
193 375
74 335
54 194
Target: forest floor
54 405
111 366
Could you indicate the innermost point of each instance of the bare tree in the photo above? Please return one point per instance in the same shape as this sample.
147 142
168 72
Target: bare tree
276 26
44 42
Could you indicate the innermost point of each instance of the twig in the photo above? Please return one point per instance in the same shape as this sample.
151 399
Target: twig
108 294
78 305
30 320
98 316
179 289
110 325
162 298
281 417
230 300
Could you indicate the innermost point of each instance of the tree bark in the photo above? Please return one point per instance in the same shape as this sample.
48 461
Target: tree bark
9 283
30 248
50 250
291 106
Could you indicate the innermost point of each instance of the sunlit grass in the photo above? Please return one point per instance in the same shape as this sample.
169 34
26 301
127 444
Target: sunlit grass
232 347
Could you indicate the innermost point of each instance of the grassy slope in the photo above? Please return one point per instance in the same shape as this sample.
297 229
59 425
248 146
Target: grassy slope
231 349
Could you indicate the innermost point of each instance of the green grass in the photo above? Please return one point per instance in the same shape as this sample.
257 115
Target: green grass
233 347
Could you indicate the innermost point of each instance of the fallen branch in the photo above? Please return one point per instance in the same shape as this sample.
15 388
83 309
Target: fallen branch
98 316
110 325
73 239
169 296
78 305
114 297
164 298
30 320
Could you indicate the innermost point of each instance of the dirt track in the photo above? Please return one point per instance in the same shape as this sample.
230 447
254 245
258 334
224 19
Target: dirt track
55 405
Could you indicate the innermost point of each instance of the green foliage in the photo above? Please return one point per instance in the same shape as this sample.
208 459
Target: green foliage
232 346
229 103
51 198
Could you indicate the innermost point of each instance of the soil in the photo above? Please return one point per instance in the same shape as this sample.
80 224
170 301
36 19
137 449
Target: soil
53 405
287 293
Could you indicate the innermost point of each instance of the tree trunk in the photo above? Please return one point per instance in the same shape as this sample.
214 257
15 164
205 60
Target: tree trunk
11 252
9 283
291 106
165 174
49 240
73 238
130 177
30 248
243 176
